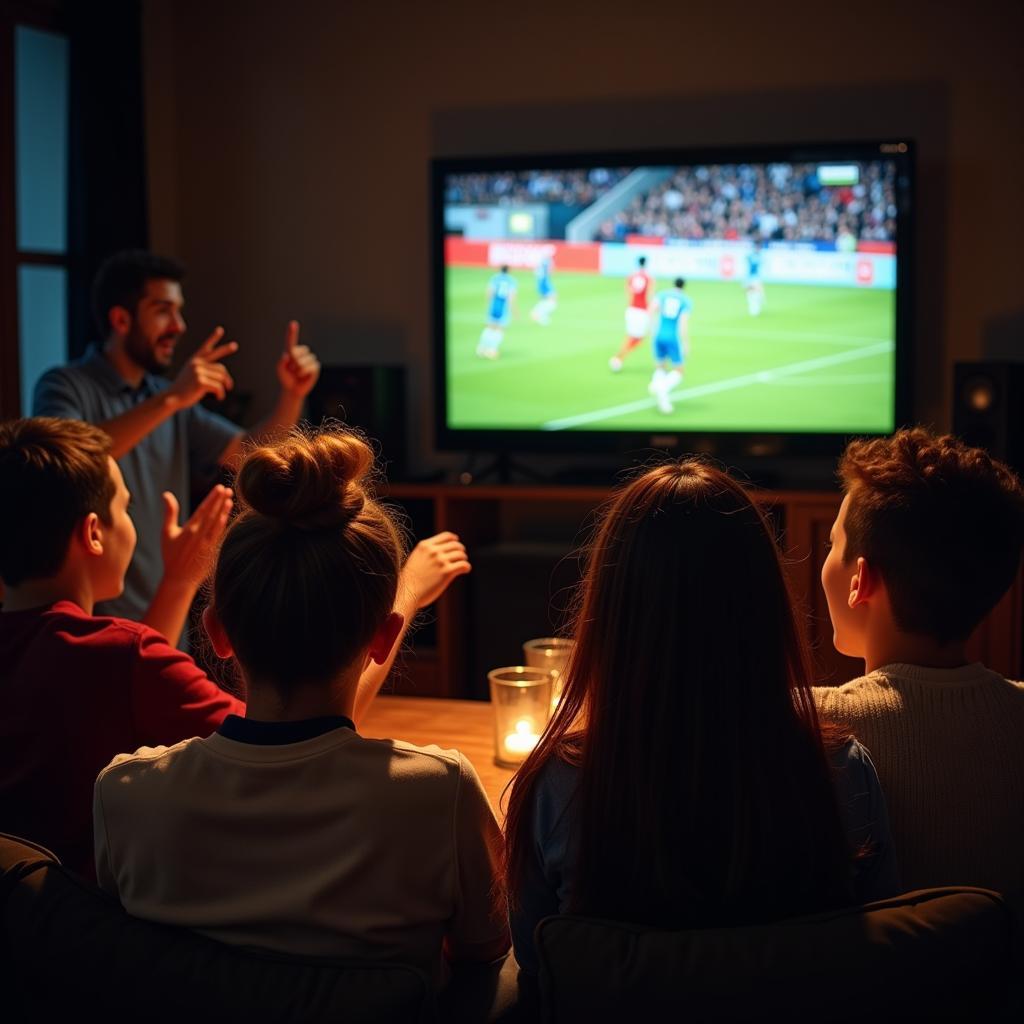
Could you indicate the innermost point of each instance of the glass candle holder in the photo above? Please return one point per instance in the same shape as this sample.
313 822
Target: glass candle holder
521 700
550 652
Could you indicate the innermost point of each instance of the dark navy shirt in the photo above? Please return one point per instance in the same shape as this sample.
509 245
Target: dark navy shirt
274 734
184 447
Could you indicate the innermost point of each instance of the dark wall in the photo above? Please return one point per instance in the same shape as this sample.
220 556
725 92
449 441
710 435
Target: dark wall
288 146
107 194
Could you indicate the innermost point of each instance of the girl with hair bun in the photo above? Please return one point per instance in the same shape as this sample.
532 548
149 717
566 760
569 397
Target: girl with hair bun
287 830
685 780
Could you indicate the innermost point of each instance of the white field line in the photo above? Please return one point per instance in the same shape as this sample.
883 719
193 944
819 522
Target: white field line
729 384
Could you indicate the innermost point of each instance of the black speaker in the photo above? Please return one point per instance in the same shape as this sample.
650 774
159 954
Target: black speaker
371 398
988 408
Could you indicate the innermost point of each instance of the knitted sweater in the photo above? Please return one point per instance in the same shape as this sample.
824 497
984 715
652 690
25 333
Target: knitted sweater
948 745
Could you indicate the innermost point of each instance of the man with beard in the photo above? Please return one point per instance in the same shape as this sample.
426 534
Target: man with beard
164 441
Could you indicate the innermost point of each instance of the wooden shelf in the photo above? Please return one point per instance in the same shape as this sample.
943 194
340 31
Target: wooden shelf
488 517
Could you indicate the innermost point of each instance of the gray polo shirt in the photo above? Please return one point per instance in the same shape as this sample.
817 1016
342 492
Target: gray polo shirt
183 451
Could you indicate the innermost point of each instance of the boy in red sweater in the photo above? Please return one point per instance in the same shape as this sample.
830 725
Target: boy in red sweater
76 688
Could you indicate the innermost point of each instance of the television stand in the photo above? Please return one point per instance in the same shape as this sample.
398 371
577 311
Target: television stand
501 515
502 467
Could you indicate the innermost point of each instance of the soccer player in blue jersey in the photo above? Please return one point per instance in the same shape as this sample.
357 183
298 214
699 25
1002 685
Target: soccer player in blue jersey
754 287
671 342
501 297
541 313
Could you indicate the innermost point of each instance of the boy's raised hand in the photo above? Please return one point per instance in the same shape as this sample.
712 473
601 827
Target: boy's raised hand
188 550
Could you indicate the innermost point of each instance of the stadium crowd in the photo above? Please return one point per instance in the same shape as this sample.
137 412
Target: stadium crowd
573 188
773 202
780 202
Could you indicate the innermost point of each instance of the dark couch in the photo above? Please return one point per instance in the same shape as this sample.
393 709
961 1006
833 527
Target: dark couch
932 954
67 951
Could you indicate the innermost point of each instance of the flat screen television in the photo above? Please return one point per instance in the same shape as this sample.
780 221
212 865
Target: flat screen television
741 301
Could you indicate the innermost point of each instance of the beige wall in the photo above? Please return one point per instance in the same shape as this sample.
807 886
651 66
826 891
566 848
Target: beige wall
288 144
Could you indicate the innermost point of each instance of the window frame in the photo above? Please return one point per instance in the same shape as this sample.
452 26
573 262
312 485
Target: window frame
47 16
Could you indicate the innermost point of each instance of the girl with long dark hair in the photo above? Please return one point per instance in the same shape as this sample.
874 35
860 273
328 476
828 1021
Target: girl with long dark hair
685 780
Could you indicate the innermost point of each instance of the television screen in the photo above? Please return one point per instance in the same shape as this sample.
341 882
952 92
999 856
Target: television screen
745 293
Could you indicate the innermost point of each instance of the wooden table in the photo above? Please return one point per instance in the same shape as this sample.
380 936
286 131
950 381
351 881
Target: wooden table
466 725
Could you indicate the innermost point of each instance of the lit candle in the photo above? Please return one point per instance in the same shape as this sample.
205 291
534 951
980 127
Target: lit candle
523 740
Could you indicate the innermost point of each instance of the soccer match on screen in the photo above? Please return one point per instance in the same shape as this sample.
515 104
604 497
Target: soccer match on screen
745 297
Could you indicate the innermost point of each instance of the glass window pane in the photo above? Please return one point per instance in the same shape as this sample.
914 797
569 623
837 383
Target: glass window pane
42 324
41 139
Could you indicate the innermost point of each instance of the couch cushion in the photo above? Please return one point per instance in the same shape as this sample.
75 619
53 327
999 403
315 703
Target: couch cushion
64 945
934 951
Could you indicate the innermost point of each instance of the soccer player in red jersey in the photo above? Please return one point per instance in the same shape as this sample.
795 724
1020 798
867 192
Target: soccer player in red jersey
638 317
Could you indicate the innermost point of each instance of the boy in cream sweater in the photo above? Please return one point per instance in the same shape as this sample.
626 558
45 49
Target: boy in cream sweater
927 540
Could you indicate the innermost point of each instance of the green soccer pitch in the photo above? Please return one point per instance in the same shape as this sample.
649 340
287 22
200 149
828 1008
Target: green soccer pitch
817 359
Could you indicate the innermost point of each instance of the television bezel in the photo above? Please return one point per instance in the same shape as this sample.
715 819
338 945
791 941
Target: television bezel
745 445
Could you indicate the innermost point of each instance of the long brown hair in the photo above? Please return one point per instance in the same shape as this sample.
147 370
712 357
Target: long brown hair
704 794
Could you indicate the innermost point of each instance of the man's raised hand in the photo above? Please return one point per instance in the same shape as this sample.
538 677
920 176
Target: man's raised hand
204 374
298 368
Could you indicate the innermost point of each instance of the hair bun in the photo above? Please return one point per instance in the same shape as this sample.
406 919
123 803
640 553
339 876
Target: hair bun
312 483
